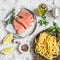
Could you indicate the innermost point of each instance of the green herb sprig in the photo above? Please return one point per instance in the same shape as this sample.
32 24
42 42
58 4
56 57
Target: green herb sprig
10 20
54 30
43 20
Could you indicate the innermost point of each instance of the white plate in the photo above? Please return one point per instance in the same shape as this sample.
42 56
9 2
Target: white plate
27 32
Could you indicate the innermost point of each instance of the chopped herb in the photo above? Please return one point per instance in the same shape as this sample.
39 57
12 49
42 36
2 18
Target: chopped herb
44 17
40 22
43 20
46 22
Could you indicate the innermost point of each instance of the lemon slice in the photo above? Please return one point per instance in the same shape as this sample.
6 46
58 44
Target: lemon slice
8 38
7 50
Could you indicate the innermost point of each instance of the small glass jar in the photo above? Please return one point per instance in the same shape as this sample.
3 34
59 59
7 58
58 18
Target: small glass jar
41 10
56 12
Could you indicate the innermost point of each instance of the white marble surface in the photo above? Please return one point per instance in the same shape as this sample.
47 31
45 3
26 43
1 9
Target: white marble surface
7 5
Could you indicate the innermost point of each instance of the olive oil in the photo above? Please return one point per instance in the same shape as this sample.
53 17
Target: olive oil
41 10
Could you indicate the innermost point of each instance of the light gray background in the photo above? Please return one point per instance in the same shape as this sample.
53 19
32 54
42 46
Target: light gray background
7 5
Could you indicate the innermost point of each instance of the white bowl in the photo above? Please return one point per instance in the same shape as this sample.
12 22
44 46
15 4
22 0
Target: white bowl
20 50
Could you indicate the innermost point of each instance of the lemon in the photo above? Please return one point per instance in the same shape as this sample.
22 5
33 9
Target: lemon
8 38
7 50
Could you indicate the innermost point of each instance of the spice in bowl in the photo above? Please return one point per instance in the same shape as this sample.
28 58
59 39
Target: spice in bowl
23 48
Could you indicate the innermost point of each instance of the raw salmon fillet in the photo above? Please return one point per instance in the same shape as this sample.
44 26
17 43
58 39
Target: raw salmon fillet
18 27
30 20
24 13
24 22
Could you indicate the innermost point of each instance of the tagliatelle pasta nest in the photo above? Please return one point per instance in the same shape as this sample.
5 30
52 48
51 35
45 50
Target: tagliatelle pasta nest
47 46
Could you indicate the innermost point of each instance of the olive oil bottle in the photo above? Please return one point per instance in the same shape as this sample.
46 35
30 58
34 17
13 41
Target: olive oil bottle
41 10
